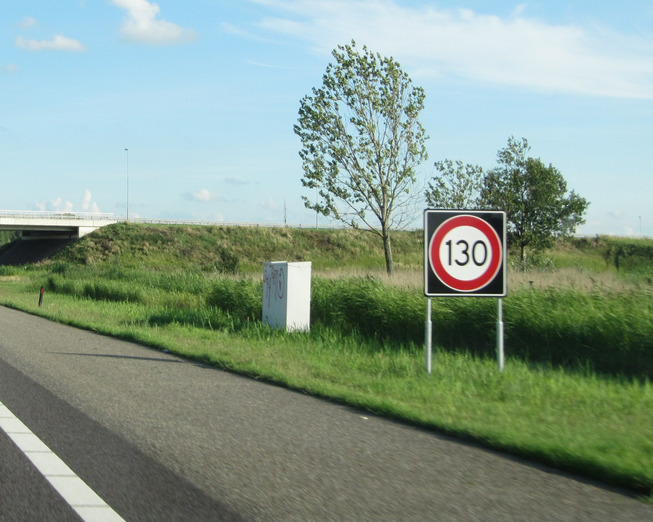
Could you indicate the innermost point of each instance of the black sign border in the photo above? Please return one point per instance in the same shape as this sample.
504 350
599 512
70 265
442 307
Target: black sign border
433 287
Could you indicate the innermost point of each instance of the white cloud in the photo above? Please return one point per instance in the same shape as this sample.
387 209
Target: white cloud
204 216
56 205
203 194
88 205
9 68
461 43
235 181
61 205
270 204
86 200
27 22
142 26
58 43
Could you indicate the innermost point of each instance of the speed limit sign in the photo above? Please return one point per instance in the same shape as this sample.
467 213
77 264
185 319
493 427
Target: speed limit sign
465 253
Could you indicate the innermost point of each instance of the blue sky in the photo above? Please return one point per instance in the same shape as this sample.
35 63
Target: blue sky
204 94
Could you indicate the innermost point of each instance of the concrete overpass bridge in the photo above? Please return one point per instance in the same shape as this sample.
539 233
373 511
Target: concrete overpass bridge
53 225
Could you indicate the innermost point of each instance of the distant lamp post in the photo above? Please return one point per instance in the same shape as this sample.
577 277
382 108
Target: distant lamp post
127 154
316 212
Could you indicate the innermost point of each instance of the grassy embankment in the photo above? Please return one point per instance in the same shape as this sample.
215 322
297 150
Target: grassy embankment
576 392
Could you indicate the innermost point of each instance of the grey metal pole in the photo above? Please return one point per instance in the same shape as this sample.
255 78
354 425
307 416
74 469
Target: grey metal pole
428 336
500 354
127 151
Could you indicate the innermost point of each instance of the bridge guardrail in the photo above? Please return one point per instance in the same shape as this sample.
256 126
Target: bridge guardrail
49 214
92 216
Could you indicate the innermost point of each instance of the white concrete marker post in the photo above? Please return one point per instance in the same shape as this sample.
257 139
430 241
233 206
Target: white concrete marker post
287 295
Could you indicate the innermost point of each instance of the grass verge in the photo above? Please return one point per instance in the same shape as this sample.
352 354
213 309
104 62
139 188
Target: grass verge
598 426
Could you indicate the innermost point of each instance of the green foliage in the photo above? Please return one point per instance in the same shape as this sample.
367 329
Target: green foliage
534 197
368 307
361 141
605 332
457 186
242 299
206 318
629 256
232 249
99 290
608 332
229 261
7 238
9 270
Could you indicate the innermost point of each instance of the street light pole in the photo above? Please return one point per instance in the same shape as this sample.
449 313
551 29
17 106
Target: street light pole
316 212
127 151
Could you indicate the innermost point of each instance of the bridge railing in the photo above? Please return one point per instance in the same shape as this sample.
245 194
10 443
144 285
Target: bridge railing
53 214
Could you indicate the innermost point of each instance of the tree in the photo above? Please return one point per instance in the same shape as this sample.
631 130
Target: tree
458 185
361 140
534 197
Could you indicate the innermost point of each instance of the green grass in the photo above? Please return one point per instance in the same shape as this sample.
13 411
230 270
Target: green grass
605 331
235 249
576 392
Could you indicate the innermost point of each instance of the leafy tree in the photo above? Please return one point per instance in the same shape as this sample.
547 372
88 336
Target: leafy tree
534 197
361 141
457 186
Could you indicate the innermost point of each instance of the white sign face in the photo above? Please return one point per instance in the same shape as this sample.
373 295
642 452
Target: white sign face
465 253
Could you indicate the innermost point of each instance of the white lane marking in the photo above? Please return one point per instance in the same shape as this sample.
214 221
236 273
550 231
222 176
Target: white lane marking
74 490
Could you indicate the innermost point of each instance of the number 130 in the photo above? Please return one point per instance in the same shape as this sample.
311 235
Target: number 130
477 255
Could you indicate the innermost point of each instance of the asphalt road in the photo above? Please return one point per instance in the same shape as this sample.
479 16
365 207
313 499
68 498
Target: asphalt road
161 438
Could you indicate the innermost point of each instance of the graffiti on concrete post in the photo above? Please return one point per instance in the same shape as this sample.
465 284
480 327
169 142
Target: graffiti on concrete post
274 280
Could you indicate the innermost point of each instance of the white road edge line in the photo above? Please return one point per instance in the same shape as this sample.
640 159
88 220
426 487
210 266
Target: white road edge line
74 490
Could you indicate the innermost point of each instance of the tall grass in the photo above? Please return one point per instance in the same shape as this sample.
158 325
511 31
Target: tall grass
368 307
604 332
607 332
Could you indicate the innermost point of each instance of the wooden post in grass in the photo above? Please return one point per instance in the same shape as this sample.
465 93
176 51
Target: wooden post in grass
41 296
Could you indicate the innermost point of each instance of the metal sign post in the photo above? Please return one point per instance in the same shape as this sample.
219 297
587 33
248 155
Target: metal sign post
428 337
500 358
465 255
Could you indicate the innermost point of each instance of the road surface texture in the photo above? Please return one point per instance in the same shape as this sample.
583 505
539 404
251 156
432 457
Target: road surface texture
161 438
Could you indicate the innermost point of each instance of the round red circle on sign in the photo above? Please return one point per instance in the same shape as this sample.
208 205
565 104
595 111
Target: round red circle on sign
495 253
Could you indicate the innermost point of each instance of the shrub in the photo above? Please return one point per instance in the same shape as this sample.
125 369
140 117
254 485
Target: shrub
228 261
